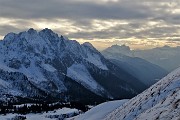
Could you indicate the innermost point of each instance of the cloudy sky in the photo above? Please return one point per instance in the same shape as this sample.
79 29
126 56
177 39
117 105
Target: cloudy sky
141 24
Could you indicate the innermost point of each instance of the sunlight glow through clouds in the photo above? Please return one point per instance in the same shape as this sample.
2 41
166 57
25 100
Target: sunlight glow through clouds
133 43
140 23
64 25
107 24
1 37
176 11
67 27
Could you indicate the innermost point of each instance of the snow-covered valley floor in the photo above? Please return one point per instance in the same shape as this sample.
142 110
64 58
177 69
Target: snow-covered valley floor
50 115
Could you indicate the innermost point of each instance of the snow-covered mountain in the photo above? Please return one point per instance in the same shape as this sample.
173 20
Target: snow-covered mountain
145 71
43 66
160 102
166 57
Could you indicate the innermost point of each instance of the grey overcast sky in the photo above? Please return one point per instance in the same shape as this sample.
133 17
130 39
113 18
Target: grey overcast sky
141 24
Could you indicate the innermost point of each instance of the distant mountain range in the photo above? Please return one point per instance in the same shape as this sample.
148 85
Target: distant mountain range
166 57
145 71
42 66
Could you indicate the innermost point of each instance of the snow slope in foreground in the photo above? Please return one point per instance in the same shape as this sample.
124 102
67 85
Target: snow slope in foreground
160 102
100 111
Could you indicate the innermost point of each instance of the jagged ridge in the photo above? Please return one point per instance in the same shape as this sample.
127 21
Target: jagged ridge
52 64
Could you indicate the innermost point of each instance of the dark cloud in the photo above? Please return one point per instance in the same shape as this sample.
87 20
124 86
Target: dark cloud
70 10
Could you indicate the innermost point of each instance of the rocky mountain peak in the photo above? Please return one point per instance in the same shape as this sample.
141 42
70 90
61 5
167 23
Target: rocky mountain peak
32 31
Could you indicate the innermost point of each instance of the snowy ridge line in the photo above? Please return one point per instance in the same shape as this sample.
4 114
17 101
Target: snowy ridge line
151 103
100 111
